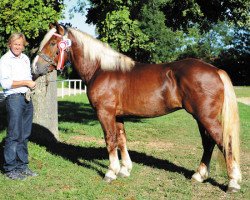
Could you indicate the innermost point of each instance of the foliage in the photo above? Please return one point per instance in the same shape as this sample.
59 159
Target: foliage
148 31
183 14
31 17
235 60
116 27
208 45
165 42
122 33
159 30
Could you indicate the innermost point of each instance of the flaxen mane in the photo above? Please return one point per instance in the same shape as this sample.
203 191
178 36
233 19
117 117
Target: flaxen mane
47 38
96 50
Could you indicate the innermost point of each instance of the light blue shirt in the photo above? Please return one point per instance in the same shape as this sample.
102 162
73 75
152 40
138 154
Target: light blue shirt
14 68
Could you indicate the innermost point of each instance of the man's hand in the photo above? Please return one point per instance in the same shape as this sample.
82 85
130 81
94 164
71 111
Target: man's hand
31 85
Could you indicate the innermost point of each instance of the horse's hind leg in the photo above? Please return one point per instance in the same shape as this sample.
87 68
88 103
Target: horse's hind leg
126 163
208 145
214 129
108 123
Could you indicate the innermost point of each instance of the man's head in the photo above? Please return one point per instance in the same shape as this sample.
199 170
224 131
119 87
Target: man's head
16 43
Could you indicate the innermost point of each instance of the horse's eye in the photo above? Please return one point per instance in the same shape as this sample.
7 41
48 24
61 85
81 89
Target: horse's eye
52 44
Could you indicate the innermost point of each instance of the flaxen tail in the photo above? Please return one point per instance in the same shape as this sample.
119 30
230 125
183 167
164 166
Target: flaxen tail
230 119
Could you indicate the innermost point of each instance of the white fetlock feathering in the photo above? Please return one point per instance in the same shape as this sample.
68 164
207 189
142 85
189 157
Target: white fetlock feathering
233 186
201 174
110 175
124 172
236 174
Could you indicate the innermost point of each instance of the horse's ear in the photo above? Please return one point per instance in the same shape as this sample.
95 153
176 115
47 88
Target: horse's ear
59 29
52 25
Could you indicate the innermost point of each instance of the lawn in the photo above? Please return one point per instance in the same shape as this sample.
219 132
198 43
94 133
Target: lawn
165 152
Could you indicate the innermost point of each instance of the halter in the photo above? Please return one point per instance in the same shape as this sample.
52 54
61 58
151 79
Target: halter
63 46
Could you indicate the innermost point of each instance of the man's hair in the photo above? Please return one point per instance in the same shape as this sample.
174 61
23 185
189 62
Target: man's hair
15 36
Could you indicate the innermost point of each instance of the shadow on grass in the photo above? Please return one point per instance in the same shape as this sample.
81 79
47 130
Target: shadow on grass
83 113
76 153
76 112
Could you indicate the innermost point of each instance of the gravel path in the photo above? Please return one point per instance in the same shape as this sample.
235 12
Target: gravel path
245 100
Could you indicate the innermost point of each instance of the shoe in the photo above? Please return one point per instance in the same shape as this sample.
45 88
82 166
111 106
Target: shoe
28 172
15 175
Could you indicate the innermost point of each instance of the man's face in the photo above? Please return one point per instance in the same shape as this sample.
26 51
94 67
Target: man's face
17 46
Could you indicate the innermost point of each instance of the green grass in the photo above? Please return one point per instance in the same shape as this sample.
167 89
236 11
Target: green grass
165 152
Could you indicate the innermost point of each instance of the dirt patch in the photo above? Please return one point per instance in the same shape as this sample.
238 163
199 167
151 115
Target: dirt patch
159 145
83 138
153 145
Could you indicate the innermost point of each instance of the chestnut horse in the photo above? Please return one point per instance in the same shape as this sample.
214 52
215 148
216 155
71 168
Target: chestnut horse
117 86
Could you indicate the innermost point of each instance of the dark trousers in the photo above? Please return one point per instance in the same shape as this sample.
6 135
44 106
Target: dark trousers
19 117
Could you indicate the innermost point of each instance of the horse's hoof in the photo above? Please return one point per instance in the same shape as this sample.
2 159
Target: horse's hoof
108 179
197 178
122 175
233 186
124 172
232 190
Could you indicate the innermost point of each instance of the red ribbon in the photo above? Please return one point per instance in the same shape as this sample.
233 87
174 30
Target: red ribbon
62 47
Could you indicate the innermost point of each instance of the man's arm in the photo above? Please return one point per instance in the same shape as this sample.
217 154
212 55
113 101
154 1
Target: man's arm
28 83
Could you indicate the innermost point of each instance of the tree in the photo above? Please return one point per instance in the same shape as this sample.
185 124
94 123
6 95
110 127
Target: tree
168 29
30 17
184 14
161 22
208 45
235 60
165 42
116 27
45 121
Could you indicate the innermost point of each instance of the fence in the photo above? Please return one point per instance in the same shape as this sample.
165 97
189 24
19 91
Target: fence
65 87
70 87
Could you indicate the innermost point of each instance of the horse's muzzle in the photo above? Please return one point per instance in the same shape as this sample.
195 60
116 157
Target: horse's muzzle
39 68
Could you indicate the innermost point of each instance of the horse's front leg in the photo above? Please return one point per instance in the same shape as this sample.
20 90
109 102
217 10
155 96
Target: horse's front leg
107 120
126 163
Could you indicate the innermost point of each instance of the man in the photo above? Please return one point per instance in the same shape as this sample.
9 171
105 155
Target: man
16 80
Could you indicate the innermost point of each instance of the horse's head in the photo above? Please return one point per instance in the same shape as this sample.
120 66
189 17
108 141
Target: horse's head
53 51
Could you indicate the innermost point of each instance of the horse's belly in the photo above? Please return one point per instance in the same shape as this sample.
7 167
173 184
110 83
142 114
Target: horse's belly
144 108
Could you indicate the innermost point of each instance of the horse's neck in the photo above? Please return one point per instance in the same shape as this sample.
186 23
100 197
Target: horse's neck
85 68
